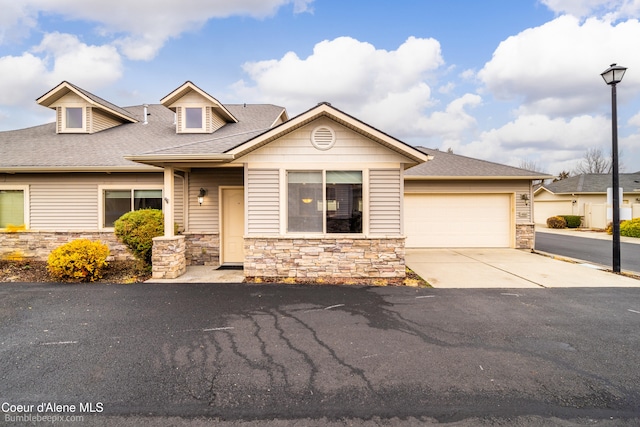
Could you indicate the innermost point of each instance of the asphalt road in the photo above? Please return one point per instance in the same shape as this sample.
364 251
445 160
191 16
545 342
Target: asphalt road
592 250
271 355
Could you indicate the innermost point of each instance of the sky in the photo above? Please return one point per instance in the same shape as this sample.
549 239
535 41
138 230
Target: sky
512 82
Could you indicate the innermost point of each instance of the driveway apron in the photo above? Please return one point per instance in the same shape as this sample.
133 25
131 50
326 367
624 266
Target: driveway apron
506 268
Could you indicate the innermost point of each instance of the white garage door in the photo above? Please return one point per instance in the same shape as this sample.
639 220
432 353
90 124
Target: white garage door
543 209
457 220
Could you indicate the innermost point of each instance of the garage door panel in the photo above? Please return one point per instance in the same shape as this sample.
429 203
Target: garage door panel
458 220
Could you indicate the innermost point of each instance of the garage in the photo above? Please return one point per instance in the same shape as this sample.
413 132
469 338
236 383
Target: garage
546 208
458 220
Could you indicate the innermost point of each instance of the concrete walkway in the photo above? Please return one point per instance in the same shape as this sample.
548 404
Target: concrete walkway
506 268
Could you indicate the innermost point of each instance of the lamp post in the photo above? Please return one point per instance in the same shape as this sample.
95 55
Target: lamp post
612 76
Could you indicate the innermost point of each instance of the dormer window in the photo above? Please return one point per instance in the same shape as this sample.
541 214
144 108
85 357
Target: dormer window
73 118
193 118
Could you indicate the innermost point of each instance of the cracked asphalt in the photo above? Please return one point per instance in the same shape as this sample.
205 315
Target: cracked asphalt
237 354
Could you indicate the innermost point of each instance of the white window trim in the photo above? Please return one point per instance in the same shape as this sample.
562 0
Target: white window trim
26 196
132 188
365 203
202 129
82 129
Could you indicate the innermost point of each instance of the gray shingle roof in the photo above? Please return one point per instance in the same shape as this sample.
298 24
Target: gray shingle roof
594 183
454 166
40 147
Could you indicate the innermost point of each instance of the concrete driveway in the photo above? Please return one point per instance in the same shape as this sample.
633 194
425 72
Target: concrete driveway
506 268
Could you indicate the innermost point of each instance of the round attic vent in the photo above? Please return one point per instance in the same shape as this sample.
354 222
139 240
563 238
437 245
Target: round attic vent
323 138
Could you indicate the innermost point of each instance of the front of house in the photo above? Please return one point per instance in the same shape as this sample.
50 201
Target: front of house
320 194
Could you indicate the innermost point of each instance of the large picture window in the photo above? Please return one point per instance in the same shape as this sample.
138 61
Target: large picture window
324 202
119 202
11 208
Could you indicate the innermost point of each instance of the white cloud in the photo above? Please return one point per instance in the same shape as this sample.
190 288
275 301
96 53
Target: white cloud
385 88
58 57
555 68
609 9
140 27
555 144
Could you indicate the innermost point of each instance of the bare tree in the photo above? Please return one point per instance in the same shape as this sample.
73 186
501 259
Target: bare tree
530 165
594 161
562 175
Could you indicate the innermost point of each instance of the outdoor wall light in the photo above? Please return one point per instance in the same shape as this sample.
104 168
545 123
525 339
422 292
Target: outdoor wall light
525 197
201 195
307 200
573 202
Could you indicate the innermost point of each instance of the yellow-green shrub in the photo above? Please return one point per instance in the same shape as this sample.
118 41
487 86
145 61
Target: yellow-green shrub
630 228
136 229
556 222
80 260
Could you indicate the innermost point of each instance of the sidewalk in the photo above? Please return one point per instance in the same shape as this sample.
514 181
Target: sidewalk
584 232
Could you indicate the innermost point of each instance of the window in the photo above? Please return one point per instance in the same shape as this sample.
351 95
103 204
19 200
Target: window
328 202
119 202
12 210
193 118
73 118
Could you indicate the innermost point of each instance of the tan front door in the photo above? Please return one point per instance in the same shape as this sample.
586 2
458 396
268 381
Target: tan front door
232 225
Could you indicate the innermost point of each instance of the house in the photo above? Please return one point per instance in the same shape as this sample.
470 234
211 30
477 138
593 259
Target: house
586 195
319 194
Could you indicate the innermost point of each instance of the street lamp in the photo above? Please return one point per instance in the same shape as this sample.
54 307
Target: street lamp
612 76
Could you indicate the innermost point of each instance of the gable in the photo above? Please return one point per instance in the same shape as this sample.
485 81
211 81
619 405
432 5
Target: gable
323 140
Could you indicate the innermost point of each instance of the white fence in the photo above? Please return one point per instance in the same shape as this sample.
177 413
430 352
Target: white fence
595 214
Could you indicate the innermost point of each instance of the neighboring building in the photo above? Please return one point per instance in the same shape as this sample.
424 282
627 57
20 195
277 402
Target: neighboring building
320 194
586 195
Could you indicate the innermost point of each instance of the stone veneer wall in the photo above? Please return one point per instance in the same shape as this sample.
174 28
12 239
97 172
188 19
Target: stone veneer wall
37 245
202 248
350 257
525 236
168 257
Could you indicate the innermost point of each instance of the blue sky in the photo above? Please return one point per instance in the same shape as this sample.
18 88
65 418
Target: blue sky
507 81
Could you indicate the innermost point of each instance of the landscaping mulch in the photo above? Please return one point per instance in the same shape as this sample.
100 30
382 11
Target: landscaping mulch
27 271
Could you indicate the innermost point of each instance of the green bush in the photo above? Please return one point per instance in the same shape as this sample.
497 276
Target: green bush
136 229
556 222
630 228
573 221
80 260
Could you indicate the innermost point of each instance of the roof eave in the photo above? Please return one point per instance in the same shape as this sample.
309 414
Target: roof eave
465 177
62 169
201 160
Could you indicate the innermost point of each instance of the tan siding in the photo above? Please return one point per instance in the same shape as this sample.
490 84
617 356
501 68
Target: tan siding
68 205
178 200
205 218
385 201
350 147
58 119
179 119
523 214
263 201
216 122
70 201
101 121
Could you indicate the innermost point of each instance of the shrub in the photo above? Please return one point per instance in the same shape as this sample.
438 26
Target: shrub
630 228
556 222
79 260
136 229
573 221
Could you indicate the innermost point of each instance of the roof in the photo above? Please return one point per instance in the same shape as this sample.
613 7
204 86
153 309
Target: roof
40 149
593 183
454 166
65 87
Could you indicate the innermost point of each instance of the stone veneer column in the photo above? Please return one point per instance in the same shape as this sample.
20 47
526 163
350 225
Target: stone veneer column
525 236
168 257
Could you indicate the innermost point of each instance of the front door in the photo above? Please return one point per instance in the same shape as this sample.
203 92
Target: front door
232 226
